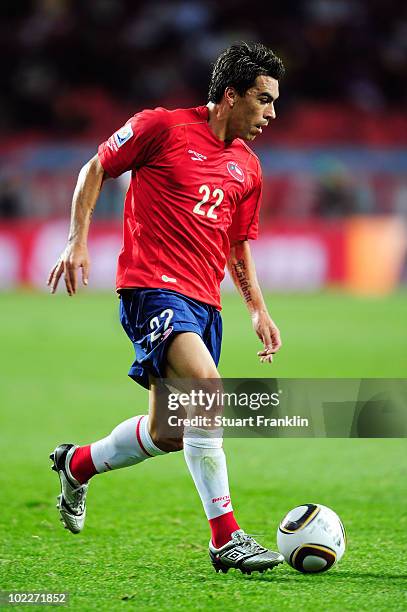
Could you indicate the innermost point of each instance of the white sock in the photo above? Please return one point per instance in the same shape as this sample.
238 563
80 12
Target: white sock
128 444
207 463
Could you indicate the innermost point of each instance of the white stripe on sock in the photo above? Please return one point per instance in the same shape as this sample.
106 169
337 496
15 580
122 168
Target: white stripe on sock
146 439
121 448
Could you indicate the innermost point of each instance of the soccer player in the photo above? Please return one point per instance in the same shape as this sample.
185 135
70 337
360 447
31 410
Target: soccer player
191 208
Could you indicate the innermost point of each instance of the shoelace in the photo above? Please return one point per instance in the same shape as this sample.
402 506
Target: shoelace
247 541
78 496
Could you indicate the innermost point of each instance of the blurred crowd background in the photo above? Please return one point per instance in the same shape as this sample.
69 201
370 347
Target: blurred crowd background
67 61
73 72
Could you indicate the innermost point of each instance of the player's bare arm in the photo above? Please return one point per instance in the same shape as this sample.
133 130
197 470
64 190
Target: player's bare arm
243 272
75 255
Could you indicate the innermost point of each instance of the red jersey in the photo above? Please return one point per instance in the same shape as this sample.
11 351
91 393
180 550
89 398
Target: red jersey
190 195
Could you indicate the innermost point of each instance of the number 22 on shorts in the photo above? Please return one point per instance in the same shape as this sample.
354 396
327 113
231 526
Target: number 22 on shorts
155 323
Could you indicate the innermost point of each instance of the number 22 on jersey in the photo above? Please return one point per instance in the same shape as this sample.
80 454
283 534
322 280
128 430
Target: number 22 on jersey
217 195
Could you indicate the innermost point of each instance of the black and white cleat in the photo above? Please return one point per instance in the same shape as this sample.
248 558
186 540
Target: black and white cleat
243 553
71 502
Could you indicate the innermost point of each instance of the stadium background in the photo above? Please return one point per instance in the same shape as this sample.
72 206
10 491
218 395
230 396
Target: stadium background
332 254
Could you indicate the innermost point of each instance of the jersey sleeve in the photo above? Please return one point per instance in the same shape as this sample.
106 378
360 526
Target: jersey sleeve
245 221
135 144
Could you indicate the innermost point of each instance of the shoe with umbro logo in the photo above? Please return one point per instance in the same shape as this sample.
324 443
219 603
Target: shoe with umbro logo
243 553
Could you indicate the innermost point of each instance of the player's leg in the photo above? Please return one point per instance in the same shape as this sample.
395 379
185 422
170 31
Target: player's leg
188 357
135 439
128 444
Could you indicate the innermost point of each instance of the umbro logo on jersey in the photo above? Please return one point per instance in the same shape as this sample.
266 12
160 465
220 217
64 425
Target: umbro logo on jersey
235 171
196 156
123 135
168 279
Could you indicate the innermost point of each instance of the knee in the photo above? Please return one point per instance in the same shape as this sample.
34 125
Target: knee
210 373
169 445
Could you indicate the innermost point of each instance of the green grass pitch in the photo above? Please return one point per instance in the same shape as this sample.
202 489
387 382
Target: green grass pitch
63 378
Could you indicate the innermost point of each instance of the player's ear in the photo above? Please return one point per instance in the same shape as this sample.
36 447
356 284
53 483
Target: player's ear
230 96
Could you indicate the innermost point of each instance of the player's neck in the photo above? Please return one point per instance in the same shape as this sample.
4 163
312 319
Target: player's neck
218 121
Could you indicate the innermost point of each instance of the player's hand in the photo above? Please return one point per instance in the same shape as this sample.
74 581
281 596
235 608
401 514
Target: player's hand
268 333
74 256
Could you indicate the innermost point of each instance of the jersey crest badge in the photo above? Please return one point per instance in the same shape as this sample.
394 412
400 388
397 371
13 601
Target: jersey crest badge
235 171
123 135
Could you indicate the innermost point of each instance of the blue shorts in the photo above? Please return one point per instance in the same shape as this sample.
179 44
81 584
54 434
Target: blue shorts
152 317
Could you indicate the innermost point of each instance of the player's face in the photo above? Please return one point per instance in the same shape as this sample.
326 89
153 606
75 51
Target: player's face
253 111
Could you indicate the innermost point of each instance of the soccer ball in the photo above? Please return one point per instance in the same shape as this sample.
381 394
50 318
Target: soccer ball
311 538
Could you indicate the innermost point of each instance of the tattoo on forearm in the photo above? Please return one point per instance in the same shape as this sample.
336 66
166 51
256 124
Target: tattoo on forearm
239 271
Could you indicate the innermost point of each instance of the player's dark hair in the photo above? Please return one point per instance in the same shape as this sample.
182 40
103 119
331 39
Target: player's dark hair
240 65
